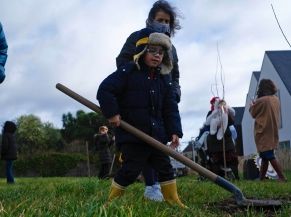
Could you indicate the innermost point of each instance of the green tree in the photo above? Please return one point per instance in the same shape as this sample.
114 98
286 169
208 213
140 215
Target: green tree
69 127
81 127
30 136
52 137
33 136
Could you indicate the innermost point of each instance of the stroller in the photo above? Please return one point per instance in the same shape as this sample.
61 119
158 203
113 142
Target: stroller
208 159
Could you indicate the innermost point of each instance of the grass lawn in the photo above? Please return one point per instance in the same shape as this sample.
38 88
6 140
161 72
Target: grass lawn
82 197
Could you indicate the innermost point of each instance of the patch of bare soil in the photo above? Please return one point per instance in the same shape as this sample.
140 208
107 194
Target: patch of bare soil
230 207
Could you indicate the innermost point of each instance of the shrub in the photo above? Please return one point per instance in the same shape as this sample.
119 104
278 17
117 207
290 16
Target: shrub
48 164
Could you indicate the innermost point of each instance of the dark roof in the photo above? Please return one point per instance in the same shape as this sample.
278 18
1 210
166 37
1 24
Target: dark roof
239 112
281 61
257 75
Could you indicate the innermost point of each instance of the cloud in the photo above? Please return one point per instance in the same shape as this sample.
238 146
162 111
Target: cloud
75 42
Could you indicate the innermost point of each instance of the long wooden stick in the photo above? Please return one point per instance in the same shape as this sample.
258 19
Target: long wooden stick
138 133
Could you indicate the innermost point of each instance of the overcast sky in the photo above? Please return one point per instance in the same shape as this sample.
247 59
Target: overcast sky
75 42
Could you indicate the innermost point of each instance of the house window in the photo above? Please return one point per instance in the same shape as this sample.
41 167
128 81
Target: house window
284 145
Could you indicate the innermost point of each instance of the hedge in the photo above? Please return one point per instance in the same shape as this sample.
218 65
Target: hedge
48 164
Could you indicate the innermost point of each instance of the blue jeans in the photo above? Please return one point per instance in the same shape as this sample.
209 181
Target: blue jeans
9 171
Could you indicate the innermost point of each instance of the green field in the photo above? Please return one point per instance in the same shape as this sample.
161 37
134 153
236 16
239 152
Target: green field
82 197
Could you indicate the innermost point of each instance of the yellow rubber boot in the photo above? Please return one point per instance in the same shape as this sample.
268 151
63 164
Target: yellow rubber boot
169 191
116 190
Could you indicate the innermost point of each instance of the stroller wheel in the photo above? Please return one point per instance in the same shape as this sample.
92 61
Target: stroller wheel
228 173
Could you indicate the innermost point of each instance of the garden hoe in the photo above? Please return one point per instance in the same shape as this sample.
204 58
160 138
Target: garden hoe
238 195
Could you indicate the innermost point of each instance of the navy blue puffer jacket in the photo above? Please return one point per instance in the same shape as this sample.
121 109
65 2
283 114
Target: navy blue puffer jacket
147 103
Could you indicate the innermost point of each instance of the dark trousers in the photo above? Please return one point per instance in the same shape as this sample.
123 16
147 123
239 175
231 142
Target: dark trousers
136 157
150 175
104 170
215 151
9 171
217 160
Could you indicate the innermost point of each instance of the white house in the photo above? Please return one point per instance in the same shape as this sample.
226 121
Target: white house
277 67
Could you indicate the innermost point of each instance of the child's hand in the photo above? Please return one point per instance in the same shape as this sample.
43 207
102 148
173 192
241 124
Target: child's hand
114 121
175 141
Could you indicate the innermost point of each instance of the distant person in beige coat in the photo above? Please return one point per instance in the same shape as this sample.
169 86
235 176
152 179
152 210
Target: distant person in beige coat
266 112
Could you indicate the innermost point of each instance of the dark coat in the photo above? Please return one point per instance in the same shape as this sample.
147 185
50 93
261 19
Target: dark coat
128 50
266 112
147 104
103 142
8 148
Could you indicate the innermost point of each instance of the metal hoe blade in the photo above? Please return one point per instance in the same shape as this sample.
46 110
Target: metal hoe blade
260 203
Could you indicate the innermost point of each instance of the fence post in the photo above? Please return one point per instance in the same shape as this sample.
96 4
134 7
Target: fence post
88 159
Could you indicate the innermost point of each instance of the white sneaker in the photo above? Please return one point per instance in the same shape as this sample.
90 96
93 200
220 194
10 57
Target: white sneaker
147 190
154 193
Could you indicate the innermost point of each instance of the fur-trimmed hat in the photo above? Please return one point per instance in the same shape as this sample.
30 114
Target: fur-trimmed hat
148 37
